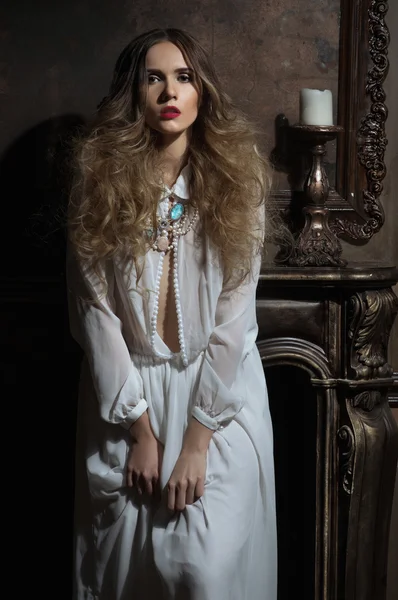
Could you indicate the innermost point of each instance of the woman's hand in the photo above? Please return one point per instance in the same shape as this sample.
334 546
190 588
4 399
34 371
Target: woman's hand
186 483
144 459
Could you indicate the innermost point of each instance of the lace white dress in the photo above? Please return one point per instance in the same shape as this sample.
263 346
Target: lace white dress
223 547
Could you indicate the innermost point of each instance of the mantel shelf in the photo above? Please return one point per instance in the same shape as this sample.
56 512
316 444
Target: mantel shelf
354 275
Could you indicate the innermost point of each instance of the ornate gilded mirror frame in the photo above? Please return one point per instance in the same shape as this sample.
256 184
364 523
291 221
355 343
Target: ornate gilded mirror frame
354 202
363 66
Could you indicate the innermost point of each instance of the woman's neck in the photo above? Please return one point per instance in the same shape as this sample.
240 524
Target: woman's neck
174 153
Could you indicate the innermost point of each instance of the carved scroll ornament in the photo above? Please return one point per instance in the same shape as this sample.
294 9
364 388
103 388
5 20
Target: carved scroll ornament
347 450
371 315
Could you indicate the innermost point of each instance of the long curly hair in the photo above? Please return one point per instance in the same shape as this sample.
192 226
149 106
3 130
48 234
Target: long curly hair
118 176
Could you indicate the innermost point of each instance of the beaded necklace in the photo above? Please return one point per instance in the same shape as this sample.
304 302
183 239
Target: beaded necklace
171 226
172 223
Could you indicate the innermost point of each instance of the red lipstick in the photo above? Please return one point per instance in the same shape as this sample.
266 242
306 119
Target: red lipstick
170 112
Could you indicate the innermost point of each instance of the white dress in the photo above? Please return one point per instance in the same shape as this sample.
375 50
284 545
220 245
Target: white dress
222 547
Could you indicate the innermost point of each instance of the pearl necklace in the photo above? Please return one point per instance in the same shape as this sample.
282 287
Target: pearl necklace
170 228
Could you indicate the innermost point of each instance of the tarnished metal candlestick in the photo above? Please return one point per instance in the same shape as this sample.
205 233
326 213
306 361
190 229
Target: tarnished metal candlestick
317 245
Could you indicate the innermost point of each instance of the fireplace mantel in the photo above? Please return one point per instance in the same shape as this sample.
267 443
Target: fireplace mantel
335 324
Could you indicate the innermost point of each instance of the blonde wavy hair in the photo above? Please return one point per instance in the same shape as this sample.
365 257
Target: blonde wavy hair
118 178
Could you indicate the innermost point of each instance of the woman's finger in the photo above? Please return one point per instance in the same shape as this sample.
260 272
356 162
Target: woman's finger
149 487
181 496
190 493
199 488
171 496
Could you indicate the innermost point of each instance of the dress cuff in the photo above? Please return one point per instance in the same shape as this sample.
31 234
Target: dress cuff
134 413
206 419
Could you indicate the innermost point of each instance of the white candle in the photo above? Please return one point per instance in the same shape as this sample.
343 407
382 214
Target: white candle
316 107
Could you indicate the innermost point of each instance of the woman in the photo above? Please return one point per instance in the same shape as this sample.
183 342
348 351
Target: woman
175 484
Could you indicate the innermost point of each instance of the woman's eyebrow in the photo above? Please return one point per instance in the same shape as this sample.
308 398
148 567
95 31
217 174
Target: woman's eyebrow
160 72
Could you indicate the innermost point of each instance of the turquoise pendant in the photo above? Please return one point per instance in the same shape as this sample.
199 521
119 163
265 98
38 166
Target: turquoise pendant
177 211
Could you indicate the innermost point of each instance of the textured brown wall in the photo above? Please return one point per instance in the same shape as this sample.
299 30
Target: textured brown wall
58 60
62 54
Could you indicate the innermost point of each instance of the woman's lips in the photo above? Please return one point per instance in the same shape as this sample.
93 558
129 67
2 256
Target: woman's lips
170 112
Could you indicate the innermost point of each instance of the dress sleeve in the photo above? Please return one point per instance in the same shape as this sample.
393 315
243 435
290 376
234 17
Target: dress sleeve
96 328
232 339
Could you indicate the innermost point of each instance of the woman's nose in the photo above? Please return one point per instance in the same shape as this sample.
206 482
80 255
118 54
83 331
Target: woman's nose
170 90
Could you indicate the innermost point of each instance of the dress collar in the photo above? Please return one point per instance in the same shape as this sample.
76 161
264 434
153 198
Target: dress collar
181 186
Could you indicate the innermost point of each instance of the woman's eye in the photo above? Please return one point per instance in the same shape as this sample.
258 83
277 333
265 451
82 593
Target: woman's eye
185 77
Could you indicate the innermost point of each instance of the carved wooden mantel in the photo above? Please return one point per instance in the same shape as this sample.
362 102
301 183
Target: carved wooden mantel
335 324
